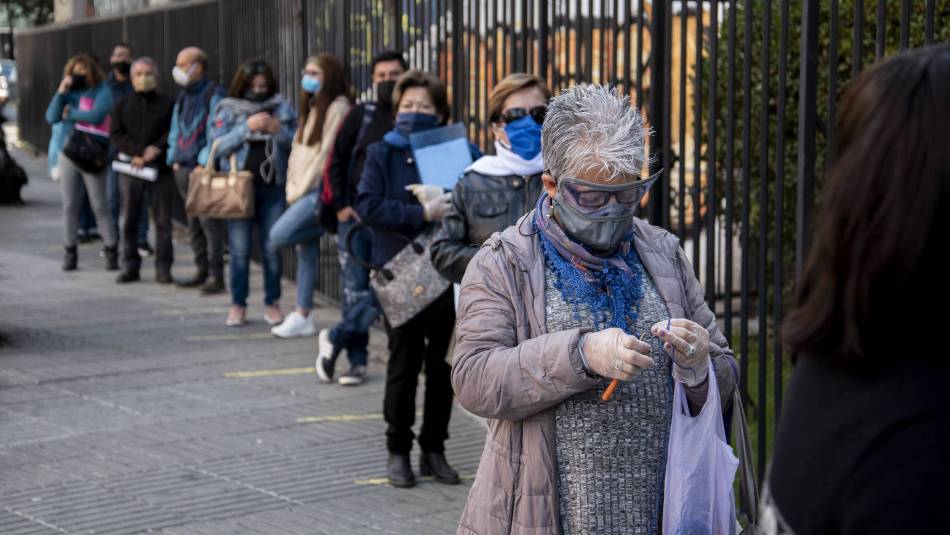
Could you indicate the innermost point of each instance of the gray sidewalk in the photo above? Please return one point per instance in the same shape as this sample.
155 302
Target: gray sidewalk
133 408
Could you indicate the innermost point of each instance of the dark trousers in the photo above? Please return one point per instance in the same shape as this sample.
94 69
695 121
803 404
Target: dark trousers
206 234
423 340
133 193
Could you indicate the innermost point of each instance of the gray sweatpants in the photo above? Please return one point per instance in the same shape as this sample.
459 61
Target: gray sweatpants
70 177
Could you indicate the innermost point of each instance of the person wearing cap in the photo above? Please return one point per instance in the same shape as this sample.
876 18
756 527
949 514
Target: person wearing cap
552 309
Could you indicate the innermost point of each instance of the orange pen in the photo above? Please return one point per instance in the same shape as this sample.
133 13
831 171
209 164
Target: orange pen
614 383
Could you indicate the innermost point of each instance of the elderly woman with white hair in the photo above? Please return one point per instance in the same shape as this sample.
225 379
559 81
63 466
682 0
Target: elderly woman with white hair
578 293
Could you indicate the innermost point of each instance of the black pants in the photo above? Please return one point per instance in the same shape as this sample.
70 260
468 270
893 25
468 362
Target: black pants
162 192
424 339
207 235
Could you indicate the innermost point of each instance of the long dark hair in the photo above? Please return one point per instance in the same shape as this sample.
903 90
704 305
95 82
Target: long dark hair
874 265
334 84
246 73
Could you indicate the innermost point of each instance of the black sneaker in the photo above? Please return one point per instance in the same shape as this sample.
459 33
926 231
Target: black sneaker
354 377
145 250
326 356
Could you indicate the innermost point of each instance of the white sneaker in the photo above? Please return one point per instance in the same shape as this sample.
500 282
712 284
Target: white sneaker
325 357
294 326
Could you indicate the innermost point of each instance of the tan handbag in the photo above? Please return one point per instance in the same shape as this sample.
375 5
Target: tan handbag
220 194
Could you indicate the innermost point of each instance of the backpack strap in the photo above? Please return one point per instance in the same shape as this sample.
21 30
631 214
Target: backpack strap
369 112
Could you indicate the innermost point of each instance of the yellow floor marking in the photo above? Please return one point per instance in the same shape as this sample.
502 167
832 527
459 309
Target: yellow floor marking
385 480
339 418
190 311
269 373
227 337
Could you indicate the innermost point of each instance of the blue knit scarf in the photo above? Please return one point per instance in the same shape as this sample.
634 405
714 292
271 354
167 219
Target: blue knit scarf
603 283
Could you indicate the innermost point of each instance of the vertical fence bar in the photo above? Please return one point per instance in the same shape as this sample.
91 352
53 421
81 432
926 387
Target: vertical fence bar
929 23
857 44
681 149
711 200
778 261
881 29
761 286
832 76
807 115
659 145
696 190
905 25
730 169
746 200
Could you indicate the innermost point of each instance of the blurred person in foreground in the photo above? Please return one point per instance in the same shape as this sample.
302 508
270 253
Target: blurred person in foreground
862 441
552 309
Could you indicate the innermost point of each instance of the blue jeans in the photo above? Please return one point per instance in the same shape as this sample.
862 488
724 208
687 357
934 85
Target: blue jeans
359 304
269 203
298 226
113 198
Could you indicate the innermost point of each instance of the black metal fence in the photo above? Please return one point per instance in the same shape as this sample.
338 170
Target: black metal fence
740 95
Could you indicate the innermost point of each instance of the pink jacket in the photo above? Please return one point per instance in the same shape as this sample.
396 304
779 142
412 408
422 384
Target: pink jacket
510 370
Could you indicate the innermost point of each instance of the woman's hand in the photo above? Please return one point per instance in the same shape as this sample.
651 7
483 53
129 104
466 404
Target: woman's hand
614 354
688 343
435 209
425 193
65 85
346 214
260 122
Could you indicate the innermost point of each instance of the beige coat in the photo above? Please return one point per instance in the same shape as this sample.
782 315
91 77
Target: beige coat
306 164
510 370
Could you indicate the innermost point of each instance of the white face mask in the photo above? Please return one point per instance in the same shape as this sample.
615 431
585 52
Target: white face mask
181 76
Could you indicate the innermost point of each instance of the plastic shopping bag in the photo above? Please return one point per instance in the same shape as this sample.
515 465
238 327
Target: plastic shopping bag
700 469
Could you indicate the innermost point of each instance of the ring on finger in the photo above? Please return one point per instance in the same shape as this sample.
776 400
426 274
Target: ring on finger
691 350
618 365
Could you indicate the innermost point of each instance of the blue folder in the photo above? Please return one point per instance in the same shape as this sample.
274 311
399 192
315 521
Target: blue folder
441 154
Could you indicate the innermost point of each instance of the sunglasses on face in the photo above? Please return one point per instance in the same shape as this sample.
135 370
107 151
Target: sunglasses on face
590 195
255 68
511 115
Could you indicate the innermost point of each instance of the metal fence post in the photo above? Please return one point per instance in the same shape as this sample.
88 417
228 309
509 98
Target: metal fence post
807 117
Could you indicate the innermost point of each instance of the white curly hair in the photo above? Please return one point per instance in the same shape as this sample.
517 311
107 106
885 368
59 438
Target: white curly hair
589 128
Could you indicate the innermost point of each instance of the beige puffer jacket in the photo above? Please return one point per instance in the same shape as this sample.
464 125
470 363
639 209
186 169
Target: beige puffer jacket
510 370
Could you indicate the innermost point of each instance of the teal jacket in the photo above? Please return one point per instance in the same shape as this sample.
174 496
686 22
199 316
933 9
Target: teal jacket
62 128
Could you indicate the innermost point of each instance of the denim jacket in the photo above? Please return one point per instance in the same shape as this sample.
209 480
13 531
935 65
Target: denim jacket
230 131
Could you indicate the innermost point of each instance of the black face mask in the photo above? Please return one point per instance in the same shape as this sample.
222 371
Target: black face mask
384 93
79 81
122 67
254 96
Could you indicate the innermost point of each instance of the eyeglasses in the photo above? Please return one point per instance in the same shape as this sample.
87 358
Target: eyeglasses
590 195
511 115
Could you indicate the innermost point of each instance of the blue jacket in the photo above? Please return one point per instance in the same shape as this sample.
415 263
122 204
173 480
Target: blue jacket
382 200
175 130
230 130
62 128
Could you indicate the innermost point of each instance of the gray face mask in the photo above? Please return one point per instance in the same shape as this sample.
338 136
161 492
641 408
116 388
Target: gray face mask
602 233
584 211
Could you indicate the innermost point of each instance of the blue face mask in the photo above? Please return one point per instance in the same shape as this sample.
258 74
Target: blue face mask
309 84
409 122
524 136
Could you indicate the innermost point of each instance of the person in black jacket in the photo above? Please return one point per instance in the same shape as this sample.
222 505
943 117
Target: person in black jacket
496 191
862 441
140 122
365 124
384 202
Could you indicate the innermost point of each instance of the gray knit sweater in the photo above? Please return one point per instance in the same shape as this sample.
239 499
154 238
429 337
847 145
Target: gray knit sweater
612 456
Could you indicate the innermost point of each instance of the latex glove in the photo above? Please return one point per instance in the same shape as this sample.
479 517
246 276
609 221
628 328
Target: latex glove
424 193
614 354
435 209
688 343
